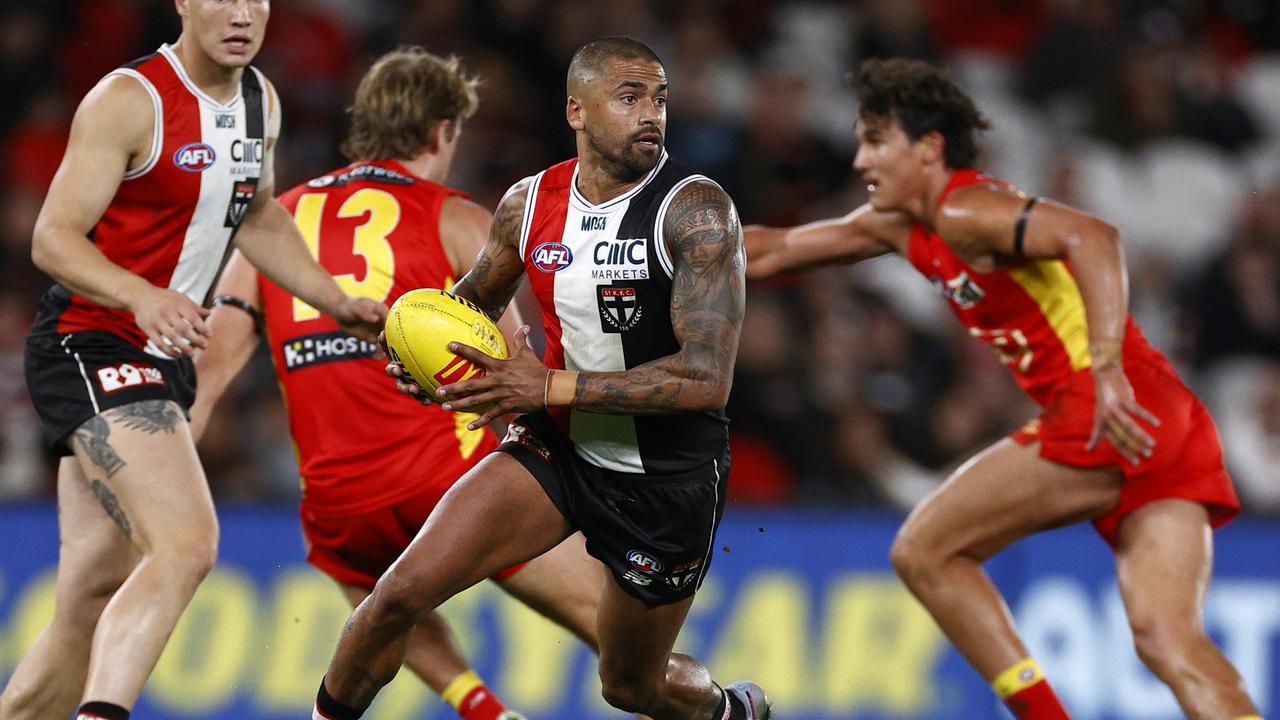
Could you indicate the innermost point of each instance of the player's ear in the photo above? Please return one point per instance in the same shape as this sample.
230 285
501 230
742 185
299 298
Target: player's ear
573 113
932 147
181 7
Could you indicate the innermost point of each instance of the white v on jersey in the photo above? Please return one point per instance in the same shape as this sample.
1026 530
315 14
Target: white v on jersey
172 218
602 274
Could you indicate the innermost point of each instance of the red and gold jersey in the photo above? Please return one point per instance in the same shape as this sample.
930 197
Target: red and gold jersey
360 443
1030 313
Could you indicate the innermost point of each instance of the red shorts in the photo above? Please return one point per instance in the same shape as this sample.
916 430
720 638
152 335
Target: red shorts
1186 461
357 549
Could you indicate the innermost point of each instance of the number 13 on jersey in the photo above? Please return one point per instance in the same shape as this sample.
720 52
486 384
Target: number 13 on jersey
369 241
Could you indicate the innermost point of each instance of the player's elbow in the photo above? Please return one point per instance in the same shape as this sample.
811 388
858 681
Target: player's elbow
1091 232
715 395
43 252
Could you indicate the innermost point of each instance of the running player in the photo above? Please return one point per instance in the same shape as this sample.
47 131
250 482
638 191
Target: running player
637 264
1121 441
169 159
374 462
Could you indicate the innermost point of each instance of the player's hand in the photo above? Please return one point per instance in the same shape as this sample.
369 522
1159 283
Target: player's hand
172 321
407 386
1116 415
515 385
361 317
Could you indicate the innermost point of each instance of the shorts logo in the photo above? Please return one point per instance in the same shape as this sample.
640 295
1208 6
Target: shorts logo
637 578
520 435
194 157
128 375
619 308
644 562
684 573
551 257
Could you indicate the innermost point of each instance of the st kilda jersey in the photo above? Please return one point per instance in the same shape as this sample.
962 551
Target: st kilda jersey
602 275
172 218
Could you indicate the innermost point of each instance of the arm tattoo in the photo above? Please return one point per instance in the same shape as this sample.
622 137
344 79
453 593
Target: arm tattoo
112 506
93 440
493 280
707 301
149 416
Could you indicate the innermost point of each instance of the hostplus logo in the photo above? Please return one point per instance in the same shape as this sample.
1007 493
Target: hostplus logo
308 350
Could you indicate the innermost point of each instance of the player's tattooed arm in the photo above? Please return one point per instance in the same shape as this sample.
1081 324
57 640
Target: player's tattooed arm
704 236
495 276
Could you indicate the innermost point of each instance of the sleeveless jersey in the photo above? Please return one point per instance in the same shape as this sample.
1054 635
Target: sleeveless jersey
172 218
1031 313
361 444
602 276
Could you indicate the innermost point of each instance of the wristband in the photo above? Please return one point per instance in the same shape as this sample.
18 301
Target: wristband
561 388
241 304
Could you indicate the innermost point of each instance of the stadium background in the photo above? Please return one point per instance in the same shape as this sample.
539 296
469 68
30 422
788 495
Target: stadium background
855 390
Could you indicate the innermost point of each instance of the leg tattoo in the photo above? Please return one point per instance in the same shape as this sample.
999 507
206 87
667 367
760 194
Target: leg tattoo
93 439
149 416
111 505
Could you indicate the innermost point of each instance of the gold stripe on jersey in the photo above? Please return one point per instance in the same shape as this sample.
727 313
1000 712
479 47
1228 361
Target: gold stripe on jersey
1052 287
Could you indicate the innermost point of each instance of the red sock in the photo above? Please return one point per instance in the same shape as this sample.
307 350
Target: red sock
1027 694
480 704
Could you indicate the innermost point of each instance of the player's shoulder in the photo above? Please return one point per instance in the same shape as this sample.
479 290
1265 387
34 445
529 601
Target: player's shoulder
109 111
460 211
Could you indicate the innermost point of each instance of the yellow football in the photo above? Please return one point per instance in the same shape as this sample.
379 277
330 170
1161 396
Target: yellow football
420 326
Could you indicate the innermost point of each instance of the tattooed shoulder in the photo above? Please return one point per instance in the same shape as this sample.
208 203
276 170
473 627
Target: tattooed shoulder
494 277
702 225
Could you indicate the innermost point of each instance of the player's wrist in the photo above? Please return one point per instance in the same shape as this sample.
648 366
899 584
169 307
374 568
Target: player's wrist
561 388
1106 353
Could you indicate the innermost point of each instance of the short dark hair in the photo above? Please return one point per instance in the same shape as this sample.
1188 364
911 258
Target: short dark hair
923 99
591 59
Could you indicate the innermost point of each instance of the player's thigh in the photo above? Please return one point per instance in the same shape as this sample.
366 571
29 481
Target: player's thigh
564 585
1006 492
635 639
94 555
495 516
140 461
1164 558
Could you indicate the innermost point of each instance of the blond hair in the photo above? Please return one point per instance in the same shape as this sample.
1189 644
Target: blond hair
403 96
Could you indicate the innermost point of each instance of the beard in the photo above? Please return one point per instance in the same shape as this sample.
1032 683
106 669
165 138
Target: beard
623 160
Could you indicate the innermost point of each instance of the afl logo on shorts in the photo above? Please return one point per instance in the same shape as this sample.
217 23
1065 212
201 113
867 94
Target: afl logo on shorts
194 157
646 564
551 257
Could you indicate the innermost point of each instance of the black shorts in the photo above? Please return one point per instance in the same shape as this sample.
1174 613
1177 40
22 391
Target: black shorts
654 532
75 376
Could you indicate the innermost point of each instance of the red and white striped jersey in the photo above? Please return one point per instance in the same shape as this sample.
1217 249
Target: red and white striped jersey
603 276
172 218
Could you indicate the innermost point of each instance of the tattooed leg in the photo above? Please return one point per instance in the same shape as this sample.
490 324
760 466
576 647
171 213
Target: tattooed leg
111 505
150 416
93 436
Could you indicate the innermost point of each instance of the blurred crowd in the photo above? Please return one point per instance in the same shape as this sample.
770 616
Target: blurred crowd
854 385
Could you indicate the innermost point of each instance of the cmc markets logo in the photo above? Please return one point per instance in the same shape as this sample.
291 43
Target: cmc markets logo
551 257
194 157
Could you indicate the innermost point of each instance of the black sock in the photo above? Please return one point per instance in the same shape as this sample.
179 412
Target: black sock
104 710
331 708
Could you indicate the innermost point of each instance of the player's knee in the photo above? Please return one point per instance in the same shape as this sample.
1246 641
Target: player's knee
80 601
1161 642
398 600
628 694
910 557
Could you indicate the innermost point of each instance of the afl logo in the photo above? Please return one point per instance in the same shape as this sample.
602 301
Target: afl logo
194 157
551 257
646 564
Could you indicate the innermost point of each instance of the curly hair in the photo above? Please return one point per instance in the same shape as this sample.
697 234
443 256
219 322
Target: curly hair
403 96
923 99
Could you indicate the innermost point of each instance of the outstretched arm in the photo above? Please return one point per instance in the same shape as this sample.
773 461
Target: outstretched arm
981 219
860 235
